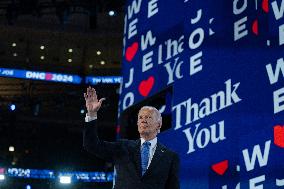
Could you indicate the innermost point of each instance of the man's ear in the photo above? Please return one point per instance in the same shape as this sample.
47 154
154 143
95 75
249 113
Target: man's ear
160 124
159 127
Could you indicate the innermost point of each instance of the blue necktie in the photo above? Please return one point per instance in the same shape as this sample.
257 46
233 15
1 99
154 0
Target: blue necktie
145 156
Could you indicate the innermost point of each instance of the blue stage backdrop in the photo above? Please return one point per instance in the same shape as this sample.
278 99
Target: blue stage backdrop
222 64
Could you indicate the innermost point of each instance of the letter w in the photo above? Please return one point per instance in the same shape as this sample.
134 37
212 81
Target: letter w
273 77
134 7
278 12
262 159
149 40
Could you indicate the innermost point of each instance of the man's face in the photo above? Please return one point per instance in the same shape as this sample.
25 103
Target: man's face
147 122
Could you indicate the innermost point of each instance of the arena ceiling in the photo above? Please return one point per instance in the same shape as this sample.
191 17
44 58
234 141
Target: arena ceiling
46 126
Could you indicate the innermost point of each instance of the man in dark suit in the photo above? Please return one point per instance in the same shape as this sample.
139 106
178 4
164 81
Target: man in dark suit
141 164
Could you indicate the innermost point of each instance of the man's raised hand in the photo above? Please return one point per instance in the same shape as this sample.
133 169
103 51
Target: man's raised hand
92 103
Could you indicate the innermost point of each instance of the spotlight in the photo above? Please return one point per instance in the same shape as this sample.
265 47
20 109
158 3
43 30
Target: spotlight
28 187
11 149
2 177
65 179
111 13
15 54
103 62
42 57
99 52
69 60
42 47
70 50
12 107
91 66
82 111
14 44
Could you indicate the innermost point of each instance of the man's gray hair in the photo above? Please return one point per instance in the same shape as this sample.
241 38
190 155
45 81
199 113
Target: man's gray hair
156 111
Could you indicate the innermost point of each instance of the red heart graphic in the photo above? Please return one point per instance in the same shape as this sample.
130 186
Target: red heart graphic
279 136
48 76
146 86
221 167
131 51
255 27
265 6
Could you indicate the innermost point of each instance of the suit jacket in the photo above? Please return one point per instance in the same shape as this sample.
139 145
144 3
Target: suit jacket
125 154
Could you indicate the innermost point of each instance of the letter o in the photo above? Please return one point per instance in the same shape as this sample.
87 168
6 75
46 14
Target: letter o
128 100
199 32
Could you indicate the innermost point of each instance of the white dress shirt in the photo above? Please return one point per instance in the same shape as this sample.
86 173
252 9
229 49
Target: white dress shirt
152 148
89 118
